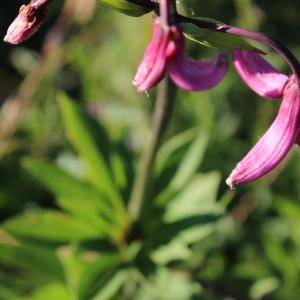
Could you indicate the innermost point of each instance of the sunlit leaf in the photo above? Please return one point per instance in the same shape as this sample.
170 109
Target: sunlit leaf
263 287
98 275
187 168
50 225
219 40
50 291
169 149
41 261
83 197
126 7
91 143
199 197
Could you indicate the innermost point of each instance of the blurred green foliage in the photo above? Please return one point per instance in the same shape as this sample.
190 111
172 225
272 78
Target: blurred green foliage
67 171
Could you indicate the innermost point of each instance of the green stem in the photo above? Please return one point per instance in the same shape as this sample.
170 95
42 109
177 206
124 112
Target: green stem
164 103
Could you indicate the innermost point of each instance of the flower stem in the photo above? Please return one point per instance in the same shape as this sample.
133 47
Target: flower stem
165 99
277 46
283 51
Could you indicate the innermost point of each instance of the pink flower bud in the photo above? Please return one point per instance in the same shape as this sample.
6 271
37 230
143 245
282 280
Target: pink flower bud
258 74
27 22
274 145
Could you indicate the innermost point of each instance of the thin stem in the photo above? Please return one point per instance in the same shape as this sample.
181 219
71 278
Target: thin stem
277 46
164 12
258 36
165 100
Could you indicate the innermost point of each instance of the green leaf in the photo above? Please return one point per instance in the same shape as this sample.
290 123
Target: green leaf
74 195
97 275
190 229
219 40
186 169
50 291
171 147
199 197
91 142
50 225
79 198
191 161
167 284
263 287
108 291
34 259
192 214
83 197
126 7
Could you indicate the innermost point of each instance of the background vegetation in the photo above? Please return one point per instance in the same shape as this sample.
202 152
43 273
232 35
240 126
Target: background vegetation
72 128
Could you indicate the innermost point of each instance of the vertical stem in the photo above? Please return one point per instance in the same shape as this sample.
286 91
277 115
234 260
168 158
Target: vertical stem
164 12
164 104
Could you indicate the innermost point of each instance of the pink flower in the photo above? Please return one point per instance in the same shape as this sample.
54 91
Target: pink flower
258 74
274 145
27 22
165 55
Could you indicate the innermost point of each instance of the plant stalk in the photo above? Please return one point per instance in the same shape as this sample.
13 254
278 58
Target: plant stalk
164 103
283 51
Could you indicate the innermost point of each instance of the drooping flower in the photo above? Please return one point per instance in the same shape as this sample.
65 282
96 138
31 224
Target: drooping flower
165 55
28 21
274 145
258 74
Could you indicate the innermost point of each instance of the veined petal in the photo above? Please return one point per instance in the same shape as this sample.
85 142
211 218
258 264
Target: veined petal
153 65
258 74
193 75
150 55
275 143
26 23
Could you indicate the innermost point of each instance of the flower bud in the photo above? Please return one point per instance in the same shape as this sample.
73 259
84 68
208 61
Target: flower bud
27 22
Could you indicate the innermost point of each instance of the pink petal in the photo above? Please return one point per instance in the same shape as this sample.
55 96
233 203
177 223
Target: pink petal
274 145
193 75
258 74
148 60
25 24
161 47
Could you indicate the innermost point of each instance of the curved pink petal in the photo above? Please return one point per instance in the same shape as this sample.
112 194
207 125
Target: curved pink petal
154 62
26 23
193 75
258 74
149 56
274 145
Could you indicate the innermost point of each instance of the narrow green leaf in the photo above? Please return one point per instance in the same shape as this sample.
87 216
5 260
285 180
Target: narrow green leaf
34 259
51 291
50 225
97 276
190 162
112 286
186 169
263 287
126 7
192 213
198 197
83 196
219 40
171 147
91 143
